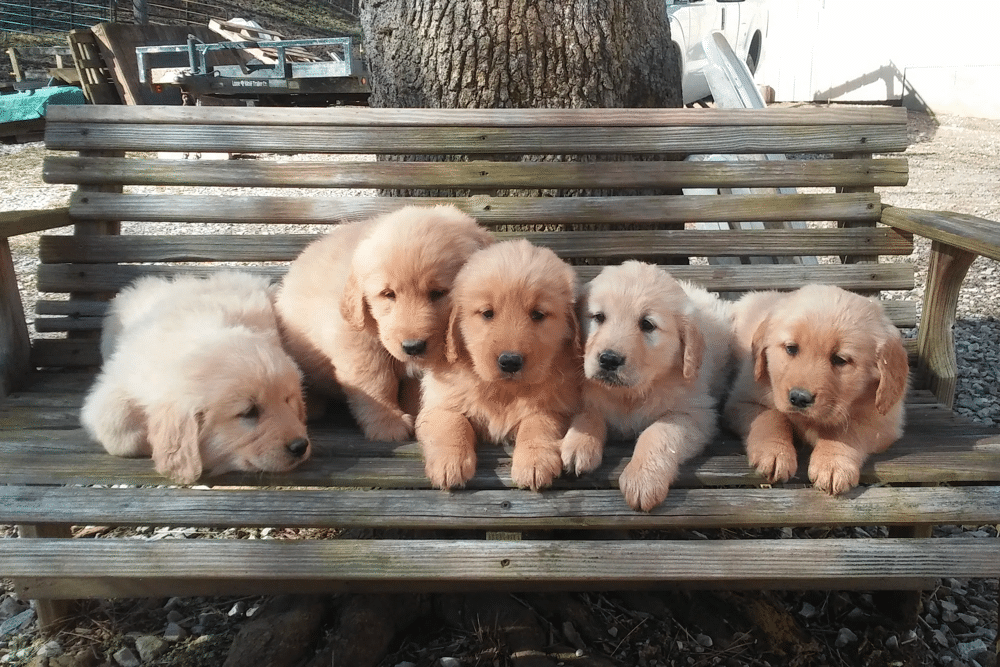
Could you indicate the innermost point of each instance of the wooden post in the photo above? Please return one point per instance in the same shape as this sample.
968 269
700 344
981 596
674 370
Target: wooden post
14 340
14 65
936 345
51 613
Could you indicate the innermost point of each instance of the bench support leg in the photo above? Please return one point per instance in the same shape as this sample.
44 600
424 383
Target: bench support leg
51 613
936 344
903 606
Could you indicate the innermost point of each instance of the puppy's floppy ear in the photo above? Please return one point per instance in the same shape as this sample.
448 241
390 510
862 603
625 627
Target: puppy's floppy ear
757 351
692 346
573 327
451 336
173 438
483 238
353 307
893 372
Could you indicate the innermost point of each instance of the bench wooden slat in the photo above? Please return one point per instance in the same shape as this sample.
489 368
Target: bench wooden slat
947 452
477 174
489 211
91 568
61 411
87 315
450 140
594 509
481 117
736 278
619 244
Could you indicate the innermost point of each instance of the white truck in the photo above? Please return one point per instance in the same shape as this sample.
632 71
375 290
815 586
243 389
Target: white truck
743 22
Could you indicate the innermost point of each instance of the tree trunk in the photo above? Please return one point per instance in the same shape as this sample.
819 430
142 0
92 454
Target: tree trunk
520 53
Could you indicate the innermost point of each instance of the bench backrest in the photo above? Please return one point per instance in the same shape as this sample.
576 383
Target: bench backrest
296 170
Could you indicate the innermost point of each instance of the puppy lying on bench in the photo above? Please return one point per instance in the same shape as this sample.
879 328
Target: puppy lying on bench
826 365
194 375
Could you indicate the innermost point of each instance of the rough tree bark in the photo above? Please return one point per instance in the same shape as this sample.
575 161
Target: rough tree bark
520 53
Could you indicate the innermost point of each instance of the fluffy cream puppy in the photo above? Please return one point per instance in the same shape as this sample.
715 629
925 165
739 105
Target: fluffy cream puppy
194 375
513 348
825 365
656 360
366 306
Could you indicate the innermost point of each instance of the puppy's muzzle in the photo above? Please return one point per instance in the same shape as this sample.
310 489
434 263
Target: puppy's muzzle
610 361
298 448
414 348
800 398
510 362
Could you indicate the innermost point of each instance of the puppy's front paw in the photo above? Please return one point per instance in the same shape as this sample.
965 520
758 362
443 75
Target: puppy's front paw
832 473
535 467
451 468
777 462
643 488
581 453
394 428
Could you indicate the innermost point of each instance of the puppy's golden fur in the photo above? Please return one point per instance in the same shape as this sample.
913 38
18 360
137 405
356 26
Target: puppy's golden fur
826 365
194 375
367 305
656 359
514 369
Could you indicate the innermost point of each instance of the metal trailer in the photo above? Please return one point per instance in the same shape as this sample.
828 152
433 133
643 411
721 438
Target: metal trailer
341 80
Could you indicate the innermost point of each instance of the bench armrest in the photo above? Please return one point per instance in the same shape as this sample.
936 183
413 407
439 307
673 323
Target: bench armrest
15 223
956 241
965 232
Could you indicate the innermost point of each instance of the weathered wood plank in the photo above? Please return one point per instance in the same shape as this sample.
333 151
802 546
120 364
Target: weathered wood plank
69 315
480 117
490 211
955 452
966 232
485 140
477 174
495 510
618 244
13 223
506 565
735 278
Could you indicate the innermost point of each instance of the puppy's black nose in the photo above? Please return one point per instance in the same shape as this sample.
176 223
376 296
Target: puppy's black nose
800 398
298 447
610 360
510 362
414 347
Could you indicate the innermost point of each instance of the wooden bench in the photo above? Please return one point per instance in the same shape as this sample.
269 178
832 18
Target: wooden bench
400 534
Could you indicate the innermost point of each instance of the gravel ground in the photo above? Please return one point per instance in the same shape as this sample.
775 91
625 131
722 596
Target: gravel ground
954 165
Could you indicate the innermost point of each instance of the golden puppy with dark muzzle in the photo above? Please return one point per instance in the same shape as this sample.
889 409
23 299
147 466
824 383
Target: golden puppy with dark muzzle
822 364
657 357
366 307
514 369
194 376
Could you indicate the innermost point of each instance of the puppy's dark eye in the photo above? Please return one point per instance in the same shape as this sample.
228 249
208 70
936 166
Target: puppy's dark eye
598 317
488 314
647 324
837 360
437 294
792 349
252 412
537 316
388 294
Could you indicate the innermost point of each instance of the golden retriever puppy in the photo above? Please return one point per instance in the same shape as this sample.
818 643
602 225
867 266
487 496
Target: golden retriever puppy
822 364
367 305
514 367
657 353
194 375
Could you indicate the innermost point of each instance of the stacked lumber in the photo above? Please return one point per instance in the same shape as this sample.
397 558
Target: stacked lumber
246 32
